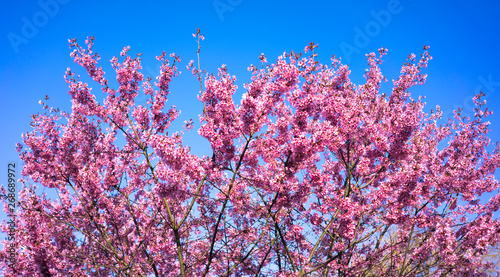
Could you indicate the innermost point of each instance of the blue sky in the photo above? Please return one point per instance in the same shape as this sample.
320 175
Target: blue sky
463 36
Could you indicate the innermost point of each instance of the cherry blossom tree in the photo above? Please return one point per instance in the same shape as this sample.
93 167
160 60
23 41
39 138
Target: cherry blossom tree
309 175
493 256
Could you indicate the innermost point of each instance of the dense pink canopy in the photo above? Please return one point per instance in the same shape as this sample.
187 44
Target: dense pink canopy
310 174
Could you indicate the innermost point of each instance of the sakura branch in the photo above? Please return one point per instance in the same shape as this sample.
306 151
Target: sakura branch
309 175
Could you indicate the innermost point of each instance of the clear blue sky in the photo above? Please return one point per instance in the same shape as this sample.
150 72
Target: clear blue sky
463 36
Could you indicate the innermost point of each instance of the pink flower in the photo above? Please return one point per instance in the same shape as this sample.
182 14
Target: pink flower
309 174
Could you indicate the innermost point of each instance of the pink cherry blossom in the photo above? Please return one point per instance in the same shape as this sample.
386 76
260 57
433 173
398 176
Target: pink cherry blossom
309 174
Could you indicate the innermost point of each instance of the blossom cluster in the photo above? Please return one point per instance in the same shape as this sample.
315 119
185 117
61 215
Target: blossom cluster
309 174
